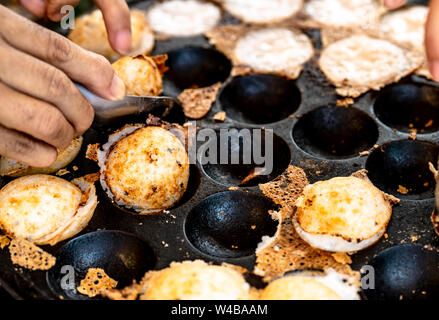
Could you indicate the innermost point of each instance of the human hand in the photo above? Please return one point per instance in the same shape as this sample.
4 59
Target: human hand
116 15
431 37
40 107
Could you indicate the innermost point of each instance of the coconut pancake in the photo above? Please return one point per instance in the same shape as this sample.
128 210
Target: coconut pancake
181 18
359 63
90 33
274 50
406 27
141 74
144 168
312 286
343 214
45 209
262 11
191 280
14 168
343 13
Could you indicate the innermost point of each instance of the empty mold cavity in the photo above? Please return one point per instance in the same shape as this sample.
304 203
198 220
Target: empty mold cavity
245 157
196 67
409 106
401 168
407 271
230 224
121 255
260 98
335 132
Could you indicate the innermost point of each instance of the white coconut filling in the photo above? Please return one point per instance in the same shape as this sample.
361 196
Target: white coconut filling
274 50
102 161
263 11
333 243
79 221
267 240
183 18
341 284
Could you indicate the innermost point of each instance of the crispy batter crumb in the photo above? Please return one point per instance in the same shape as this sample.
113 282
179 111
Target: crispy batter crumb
412 134
96 282
75 168
364 153
62 172
4 241
342 257
253 174
196 103
346 102
233 188
402 190
429 123
414 238
386 236
220 116
29 256
92 152
433 170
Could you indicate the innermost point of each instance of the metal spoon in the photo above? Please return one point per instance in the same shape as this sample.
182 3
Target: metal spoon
107 111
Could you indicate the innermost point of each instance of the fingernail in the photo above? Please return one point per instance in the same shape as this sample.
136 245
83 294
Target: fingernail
117 89
434 69
37 7
123 41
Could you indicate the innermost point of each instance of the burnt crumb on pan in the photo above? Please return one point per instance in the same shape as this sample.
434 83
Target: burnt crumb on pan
96 282
413 134
346 102
402 190
286 251
92 152
342 257
62 172
4 241
196 103
220 116
27 255
253 174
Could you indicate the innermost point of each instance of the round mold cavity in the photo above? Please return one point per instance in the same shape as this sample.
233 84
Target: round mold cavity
240 167
409 106
260 98
335 132
196 67
407 271
230 224
403 165
121 255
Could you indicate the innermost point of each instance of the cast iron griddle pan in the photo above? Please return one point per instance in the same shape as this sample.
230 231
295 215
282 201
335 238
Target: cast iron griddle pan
323 140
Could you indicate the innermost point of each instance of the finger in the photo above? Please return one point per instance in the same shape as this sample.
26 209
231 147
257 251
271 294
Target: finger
36 7
393 4
83 66
53 10
118 22
20 147
432 39
45 82
34 117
